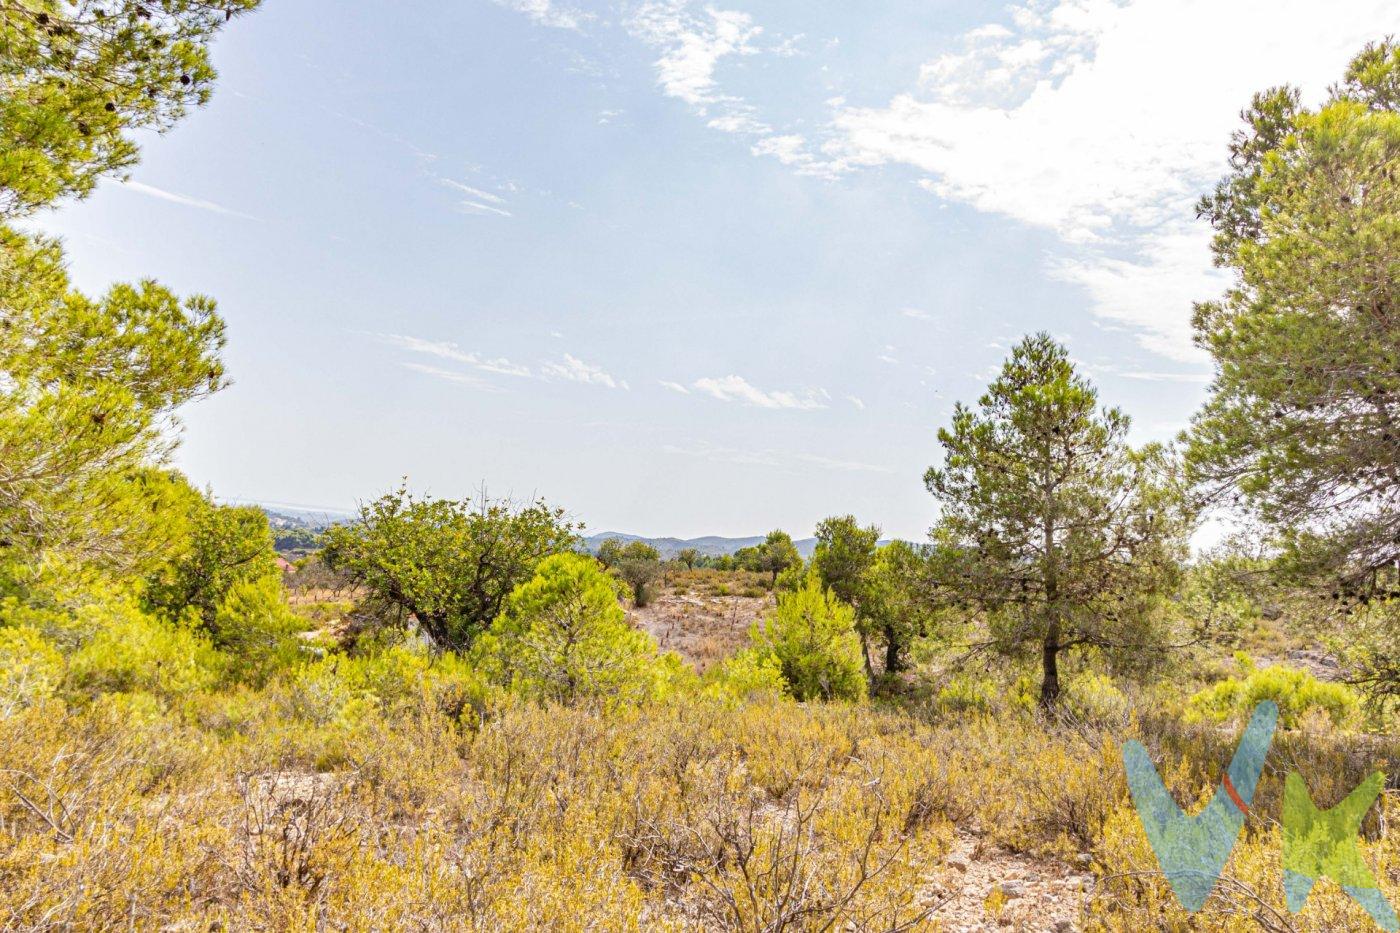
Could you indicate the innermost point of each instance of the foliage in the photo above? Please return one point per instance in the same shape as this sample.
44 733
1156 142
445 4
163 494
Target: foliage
446 564
1296 692
1304 416
812 636
80 77
1053 528
564 637
256 628
844 561
844 557
348 690
637 564
744 677
90 391
898 609
31 668
226 545
130 651
775 554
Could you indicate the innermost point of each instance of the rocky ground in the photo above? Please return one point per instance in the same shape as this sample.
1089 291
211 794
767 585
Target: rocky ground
982 888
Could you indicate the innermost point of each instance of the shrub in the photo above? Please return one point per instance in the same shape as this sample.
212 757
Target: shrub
132 651
748 675
563 636
812 636
257 629
391 680
1296 692
30 668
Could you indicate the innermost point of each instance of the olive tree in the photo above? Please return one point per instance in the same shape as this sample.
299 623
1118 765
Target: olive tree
446 565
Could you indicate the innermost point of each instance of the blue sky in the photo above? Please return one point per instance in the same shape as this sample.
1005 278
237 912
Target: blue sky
686 268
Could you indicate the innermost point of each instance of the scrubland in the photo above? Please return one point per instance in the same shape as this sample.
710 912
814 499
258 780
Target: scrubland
144 787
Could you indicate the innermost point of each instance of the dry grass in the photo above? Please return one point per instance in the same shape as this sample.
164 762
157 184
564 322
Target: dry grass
263 811
701 627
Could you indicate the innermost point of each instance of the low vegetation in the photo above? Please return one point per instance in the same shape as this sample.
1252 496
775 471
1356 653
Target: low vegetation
451 716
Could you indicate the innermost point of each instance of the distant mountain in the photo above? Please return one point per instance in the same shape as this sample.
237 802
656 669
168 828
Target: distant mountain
284 517
710 545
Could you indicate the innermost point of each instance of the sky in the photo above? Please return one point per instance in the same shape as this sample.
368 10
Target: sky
687 268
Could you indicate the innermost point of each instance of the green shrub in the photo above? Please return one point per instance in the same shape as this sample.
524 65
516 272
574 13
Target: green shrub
1296 692
812 636
31 668
564 636
748 675
391 680
258 630
132 651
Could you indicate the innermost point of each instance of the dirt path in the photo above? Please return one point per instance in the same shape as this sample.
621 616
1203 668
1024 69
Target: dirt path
983 888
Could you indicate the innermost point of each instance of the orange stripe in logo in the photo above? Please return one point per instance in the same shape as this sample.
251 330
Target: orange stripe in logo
1234 795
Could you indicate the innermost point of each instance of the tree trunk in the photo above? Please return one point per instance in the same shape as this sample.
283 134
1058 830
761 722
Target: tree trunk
894 653
865 654
1050 667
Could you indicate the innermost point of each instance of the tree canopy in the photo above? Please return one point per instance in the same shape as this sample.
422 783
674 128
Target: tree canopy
448 564
77 78
563 636
1053 529
1304 415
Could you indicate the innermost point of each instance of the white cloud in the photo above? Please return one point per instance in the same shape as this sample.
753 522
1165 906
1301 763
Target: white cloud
692 45
1103 121
476 207
1152 294
547 13
845 466
574 369
917 314
476 193
674 386
737 389
447 350
856 402
570 368
198 203
725 454
448 375
772 458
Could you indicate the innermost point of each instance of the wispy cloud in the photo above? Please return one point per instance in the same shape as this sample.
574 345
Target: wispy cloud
466 379
917 314
474 192
673 386
198 203
1012 122
477 200
789 462
447 350
844 466
733 388
548 13
692 44
726 454
573 369
569 369
1141 375
854 400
